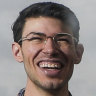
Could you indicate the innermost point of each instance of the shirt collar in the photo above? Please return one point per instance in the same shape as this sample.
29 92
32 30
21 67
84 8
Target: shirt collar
22 91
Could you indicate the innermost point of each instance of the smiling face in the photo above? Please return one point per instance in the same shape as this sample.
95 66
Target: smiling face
48 66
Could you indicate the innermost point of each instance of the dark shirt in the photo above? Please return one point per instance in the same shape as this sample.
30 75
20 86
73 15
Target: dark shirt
21 93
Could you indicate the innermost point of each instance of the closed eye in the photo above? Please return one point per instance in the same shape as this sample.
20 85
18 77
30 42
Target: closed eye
35 38
63 40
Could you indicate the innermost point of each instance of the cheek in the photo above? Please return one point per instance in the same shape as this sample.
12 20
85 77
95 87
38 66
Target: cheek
29 55
30 52
69 51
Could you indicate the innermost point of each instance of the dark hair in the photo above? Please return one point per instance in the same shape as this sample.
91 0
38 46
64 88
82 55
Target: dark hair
46 9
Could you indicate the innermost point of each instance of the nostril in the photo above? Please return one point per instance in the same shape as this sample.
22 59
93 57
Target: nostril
55 54
51 53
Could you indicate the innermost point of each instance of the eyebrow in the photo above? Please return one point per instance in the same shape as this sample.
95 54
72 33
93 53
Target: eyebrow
41 33
37 33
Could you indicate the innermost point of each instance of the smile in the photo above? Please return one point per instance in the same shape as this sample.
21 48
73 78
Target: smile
50 65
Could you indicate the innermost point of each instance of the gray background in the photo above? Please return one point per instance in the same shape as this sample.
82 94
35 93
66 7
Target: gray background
12 74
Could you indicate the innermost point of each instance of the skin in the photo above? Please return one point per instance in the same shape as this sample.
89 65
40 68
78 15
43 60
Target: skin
38 82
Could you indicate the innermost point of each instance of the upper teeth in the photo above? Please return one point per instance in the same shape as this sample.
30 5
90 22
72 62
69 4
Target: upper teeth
50 65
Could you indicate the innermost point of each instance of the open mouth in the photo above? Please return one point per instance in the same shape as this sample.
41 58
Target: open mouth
51 68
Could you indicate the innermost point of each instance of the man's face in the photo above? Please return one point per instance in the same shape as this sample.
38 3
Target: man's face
49 66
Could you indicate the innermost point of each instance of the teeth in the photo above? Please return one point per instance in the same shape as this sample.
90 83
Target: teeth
49 65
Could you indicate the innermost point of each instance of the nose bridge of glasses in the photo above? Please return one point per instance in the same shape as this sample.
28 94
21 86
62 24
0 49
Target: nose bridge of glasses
50 46
51 39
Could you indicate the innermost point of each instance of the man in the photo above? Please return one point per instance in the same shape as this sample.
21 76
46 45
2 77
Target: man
46 39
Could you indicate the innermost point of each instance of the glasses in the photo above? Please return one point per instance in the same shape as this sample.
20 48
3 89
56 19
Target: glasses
60 39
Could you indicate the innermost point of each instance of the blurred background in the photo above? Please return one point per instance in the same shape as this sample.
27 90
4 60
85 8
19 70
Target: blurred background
12 74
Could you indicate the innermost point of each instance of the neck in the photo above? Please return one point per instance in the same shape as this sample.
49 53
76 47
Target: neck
33 90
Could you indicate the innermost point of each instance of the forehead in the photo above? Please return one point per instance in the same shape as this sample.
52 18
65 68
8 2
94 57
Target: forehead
46 25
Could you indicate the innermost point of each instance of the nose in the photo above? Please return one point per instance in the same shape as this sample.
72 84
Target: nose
50 47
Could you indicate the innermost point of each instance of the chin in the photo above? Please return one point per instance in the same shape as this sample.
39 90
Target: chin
50 85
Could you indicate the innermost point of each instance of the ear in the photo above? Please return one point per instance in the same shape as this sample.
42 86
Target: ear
79 53
16 49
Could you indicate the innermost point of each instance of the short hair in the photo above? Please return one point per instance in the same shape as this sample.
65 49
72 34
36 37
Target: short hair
46 9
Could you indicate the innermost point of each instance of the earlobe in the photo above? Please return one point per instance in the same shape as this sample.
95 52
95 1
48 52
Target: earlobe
16 49
79 53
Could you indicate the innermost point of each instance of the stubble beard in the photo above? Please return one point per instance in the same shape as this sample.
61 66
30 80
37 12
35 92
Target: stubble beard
50 86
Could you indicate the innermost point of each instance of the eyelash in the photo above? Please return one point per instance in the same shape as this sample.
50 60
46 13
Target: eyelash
35 38
64 40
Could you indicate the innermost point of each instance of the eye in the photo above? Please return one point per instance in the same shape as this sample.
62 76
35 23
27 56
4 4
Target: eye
63 40
36 39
